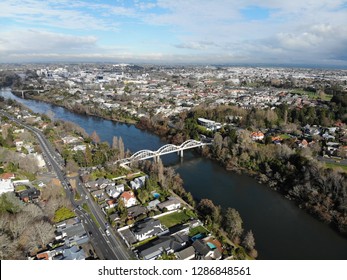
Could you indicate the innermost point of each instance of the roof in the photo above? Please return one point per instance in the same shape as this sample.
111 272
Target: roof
201 247
74 253
146 226
6 176
127 195
171 200
159 246
136 210
186 253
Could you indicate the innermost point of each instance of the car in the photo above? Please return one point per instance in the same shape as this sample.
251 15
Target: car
107 232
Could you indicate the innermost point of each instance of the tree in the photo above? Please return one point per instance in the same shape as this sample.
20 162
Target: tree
249 242
121 148
95 137
88 156
115 143
207 209
232 223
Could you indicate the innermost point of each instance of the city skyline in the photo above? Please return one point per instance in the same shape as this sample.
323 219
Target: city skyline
163 31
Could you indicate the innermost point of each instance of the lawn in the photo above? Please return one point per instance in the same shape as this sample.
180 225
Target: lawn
174 219
336 166
197 230
311 95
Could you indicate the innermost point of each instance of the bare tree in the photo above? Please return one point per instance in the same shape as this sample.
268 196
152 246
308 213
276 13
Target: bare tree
121 148
249 241
95 137
115 143
7 247
232 223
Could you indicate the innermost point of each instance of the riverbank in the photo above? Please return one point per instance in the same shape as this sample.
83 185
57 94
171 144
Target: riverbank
96 113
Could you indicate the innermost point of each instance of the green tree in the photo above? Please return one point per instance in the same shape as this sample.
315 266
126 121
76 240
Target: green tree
207 209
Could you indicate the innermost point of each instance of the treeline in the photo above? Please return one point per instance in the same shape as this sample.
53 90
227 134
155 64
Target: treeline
295 174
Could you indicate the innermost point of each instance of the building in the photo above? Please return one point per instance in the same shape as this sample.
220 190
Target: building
148 228
128 198
210 125
138 182
171 204
6 185
156 248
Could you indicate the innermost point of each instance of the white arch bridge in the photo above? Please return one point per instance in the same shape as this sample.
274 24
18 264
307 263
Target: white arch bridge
164 150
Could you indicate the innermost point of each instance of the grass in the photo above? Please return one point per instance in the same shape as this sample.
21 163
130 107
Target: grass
336 166
174 219
285 136
196 230
63 214
77 196
20 188
143 242
311 95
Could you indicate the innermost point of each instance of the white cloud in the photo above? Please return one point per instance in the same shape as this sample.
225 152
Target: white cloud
205 30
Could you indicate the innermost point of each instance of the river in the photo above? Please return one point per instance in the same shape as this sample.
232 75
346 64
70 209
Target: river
282 231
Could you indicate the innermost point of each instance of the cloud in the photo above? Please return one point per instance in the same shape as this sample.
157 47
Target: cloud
195 30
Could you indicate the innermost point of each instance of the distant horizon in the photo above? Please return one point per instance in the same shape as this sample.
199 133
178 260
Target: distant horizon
187 64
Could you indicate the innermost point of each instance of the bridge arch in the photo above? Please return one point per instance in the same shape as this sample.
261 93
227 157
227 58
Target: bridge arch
142 155
190 143
167 148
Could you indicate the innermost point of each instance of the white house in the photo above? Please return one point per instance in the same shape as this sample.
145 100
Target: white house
171 204
6 185
138 182
147 229
114 191
128 198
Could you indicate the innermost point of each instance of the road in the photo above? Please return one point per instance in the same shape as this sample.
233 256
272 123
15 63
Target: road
107 247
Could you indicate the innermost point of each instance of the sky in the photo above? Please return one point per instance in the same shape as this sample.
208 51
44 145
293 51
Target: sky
302 32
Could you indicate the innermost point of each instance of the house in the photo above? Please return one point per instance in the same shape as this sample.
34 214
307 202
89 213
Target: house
153 204
171 204
19 144
148 228
29 194
114 191
164 244
303 144
138 182
111 203
114 217
71 253
257 136
128 198
103 183
98 194
7 176
136 210
186 254
206 251
72 232
6 185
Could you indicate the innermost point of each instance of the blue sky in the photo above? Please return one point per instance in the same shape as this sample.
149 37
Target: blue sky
180 31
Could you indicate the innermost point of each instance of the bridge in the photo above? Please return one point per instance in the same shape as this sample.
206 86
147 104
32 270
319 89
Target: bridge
164 150
23 91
